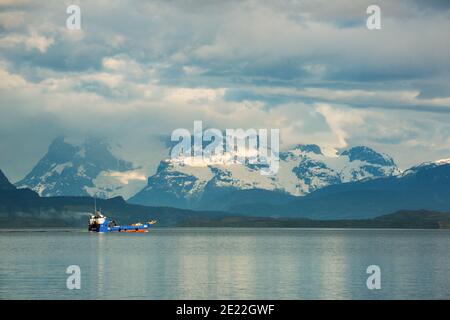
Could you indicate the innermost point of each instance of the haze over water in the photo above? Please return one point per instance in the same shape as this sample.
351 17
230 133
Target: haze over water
203 263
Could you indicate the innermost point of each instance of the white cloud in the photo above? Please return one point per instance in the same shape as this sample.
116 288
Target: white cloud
12 20
11 81
192 95
307 68
338 120
33 41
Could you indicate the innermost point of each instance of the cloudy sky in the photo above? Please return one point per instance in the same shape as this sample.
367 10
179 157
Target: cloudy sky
139 69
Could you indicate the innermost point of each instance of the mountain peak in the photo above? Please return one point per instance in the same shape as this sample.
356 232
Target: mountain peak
424 166
442 161
4 182
83 168
367 154
60 151
313 148
302 169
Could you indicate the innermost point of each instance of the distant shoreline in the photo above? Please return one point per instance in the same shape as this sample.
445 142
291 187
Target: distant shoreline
420 219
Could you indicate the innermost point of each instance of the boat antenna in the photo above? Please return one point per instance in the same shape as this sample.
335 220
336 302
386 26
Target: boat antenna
95 205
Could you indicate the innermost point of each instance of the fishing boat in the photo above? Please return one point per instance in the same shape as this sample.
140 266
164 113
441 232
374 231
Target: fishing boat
100 223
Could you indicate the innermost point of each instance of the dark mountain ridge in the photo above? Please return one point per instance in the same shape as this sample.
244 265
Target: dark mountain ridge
425 186
22 208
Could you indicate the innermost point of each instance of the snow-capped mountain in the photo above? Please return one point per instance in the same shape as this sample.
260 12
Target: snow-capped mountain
424 166
86 168
423 186
302 170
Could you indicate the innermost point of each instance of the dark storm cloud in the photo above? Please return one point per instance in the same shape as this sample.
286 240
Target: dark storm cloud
139 67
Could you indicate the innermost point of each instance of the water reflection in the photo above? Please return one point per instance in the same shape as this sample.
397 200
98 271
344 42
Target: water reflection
227 264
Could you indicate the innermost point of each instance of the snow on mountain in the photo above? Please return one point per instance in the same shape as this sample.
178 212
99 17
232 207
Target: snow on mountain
366 163
303 169
93 167
424 166
86 168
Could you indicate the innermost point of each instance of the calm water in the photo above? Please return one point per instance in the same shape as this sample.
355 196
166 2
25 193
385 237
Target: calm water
226 264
